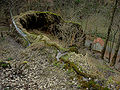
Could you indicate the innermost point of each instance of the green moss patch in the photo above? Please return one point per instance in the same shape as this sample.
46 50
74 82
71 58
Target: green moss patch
71 67
5 64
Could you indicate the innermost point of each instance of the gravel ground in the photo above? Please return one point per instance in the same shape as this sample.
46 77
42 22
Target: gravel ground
40 75
32 68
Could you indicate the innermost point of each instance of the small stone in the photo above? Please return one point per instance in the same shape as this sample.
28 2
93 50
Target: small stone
89 78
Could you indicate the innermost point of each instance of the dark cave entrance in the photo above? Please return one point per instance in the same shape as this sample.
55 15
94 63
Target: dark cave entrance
41 21
70 33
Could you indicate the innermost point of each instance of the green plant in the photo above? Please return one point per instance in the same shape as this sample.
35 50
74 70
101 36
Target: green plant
5 64
78 86
70 70
3 38
9 59
56 63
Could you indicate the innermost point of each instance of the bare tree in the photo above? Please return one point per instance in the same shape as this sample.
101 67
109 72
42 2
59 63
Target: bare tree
112 44
113 61
109 29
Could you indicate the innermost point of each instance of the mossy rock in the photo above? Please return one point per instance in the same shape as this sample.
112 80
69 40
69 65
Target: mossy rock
69 64
71 67
50 23
73 49
9 59
92 85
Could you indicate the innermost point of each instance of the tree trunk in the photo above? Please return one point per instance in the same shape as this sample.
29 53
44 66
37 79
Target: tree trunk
113 61
113 41
109 29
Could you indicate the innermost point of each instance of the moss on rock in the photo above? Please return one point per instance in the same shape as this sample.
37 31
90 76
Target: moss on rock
71 67
68 32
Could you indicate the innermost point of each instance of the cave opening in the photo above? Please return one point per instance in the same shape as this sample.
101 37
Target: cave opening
49 23
40 21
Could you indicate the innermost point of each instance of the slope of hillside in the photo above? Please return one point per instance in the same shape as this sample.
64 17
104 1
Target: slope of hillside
51 62
36 68
39 75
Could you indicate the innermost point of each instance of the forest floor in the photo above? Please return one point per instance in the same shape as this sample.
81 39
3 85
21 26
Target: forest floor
34 68
40 75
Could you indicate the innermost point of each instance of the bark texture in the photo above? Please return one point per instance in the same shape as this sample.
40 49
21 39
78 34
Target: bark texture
109 29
